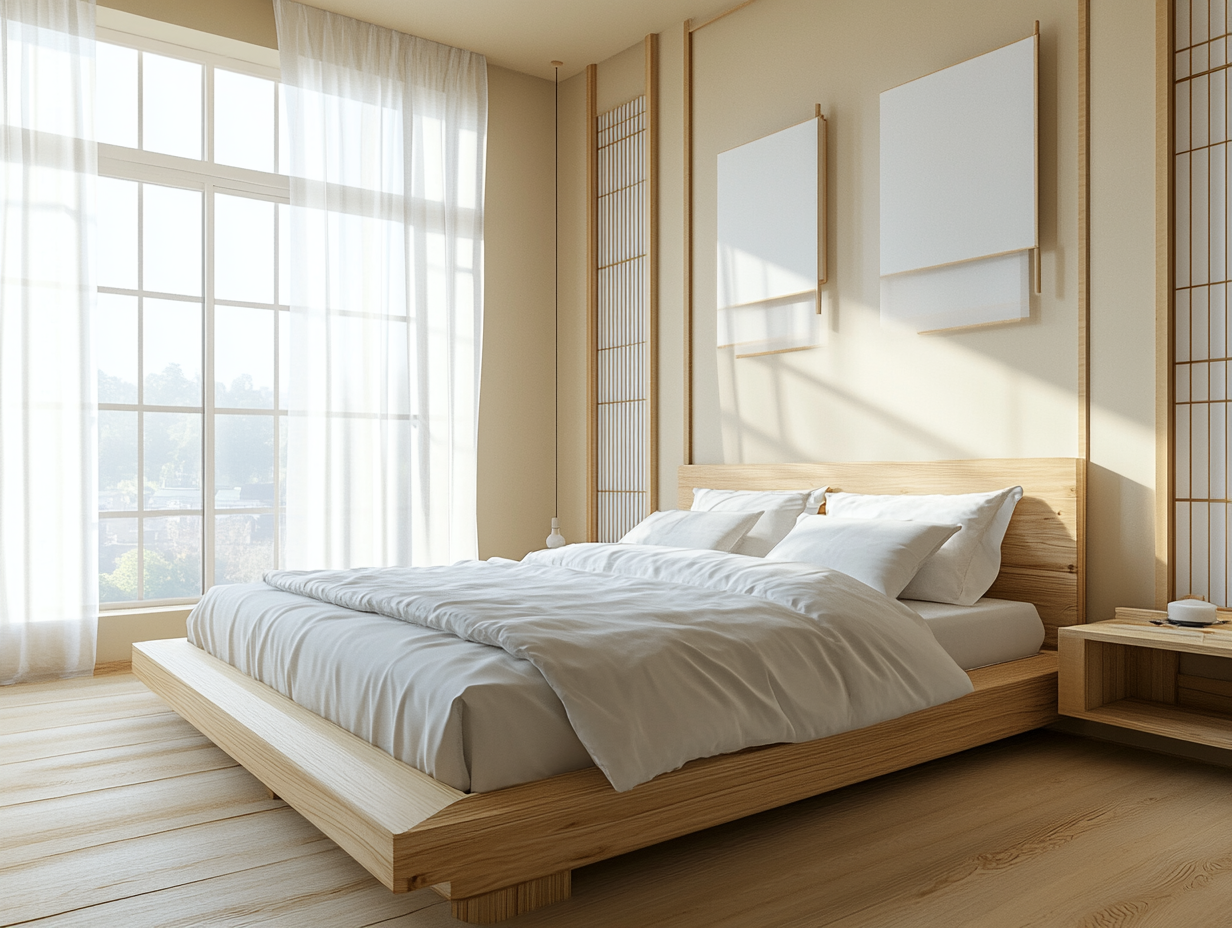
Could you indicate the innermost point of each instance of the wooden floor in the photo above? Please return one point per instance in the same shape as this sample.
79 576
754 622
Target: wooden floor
114 812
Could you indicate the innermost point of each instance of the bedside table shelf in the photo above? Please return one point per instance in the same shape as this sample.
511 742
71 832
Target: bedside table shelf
1126 672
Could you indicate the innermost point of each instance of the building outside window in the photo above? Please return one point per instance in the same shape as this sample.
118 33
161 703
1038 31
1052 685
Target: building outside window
192 321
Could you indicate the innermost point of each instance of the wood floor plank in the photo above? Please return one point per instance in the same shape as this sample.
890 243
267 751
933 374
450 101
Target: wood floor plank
104 768
832 857
326 889
1040 830
138 866
33 694
91 736
35 716
1171 861
43 829
433 916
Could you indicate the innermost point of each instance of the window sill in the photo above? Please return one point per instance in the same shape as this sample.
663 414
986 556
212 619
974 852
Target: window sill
119 628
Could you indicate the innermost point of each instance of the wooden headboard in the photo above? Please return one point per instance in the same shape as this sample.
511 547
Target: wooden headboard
1043 555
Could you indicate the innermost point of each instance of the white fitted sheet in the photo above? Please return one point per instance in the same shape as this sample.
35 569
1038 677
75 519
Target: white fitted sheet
992 631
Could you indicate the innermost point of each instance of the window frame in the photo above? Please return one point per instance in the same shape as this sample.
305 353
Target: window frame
134 164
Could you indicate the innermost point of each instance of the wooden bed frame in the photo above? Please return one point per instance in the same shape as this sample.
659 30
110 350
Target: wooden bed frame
498 854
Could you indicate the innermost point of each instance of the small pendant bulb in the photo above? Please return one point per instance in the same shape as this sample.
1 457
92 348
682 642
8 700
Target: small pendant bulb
556 539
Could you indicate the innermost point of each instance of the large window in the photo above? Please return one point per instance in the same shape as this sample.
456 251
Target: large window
192 321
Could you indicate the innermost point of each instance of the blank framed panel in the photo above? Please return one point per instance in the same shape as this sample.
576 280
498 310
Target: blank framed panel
770 242
959 162
980 292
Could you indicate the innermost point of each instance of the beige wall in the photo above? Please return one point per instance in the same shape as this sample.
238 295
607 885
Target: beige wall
621 78
1121 481
869 393
515 405
671 267
574 350
249 21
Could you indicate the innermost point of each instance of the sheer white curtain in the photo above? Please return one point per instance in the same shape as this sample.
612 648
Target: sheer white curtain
387 135
48 471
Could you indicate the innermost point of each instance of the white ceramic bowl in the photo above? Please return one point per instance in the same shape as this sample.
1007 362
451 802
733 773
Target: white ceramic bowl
1192 612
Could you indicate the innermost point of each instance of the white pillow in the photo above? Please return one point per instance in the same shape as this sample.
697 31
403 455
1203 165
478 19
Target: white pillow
683 528
966 566
780 509
883 553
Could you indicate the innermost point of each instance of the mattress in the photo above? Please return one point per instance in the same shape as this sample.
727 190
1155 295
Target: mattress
992 631
465 713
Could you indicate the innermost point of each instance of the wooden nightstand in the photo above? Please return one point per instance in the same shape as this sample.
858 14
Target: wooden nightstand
1128 672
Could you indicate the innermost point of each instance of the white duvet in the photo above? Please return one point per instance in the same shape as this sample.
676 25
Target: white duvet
663 655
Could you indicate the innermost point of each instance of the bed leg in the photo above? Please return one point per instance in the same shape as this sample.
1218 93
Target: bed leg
500 904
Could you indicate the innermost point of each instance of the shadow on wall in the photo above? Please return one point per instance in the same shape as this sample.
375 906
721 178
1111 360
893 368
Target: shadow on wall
894 397
1120 526
749 439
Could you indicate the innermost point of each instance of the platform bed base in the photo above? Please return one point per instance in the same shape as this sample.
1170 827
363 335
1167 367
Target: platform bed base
500 904
498 854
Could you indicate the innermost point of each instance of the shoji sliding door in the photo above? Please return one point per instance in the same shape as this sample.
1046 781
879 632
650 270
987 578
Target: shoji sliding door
623 331
1203 413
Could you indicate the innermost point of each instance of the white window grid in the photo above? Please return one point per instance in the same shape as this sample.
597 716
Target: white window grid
209 178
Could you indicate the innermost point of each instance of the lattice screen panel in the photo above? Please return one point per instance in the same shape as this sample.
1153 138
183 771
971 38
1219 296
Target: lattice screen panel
623 323
1203 412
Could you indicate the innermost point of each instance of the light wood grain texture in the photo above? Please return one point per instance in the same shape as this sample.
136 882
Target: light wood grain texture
1124 672
1040 560
979 840
479 843
74 821
1133 626
1084 235
354 792
592 302
321 890
1041 829
149 863
576 818
1204 693
42 715
186 849
823 201
1165 283
74 739
496 906
687 239
651 45
111 668
71 690
86 771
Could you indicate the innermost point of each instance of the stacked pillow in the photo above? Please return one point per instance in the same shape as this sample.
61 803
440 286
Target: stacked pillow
683 528
779 510
882 553
962 569
942 548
